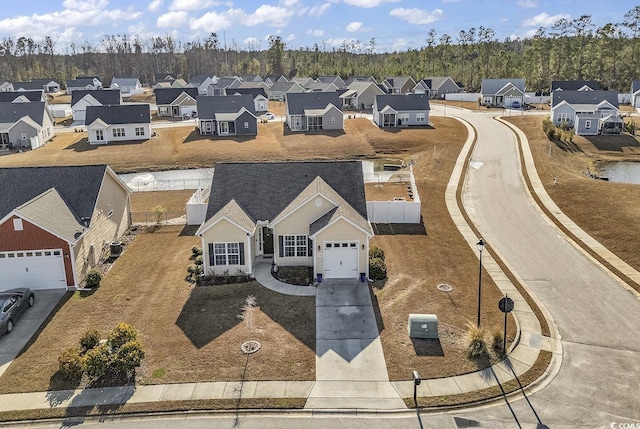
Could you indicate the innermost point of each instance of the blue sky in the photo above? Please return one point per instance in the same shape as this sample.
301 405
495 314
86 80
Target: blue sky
395 24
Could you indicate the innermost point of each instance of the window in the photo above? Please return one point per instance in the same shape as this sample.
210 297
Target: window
562 117
246 125
24 136
99 135
118 132
333 120
420 117
226 254
295 245
140 131
587 124
17 225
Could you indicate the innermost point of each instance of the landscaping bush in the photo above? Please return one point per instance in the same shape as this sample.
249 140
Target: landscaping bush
498 337
96 363
301 276
198 260
70 364
377 269
631 127
158 213
477 346
93 279
89 340
376 252
196 251
194 271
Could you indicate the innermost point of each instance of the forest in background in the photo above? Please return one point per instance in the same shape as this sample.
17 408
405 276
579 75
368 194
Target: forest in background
567 50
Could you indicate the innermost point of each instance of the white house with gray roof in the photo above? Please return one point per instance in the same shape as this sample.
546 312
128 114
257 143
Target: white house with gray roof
399 84
83 82
587 112
279 90
292 214
128 86
176 102
82 98
401 110
25 125
126 122
440 86
502 92
360 95
310 111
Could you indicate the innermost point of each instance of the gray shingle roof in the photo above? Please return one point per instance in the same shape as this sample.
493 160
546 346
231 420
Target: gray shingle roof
168 95
492 86
264 189
30 95
208 106
635 86
573 85
298 102
283 86
254 92
119 114
404 102
77 185
584 97
125 81
27 86
80 82
104 96
198 80
11 112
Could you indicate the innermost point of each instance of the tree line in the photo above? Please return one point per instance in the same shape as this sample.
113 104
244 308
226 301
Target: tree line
567 50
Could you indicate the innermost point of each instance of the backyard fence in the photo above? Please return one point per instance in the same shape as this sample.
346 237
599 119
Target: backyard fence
177 217
167 185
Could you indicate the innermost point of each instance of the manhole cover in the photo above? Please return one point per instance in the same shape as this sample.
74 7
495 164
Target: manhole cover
444 287
249 347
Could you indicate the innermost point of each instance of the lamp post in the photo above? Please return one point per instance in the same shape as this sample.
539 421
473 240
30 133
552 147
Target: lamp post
480 244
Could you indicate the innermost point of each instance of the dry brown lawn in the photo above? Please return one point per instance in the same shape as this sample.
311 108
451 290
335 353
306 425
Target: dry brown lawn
172 201
189 333
605 210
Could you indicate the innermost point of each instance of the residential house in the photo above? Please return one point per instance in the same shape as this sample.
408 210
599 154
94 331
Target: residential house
587 112
201 82
222 84
440 86
401 110
163 77
176 102
255 85
260 100
287 214
28 86
575 85
399 84
279 90
225 115
22 96
423 86
84 82
352 79
270 80
6 86
360 95
303 81
252 78
49 85
502 92
124 122
321 87
128 86
635 93
82 98
57 223
309 111
336 80
25 125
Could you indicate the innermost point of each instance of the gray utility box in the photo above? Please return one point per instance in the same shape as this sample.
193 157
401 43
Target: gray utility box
423 326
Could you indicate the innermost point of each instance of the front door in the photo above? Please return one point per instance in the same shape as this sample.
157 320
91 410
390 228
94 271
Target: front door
267 241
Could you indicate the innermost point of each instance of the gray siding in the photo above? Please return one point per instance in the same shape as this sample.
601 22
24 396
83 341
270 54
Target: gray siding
251 122
337 124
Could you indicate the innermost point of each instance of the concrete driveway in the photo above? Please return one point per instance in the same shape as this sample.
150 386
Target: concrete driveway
11 344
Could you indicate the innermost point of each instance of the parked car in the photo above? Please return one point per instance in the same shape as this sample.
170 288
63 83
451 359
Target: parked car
13 304
515 105
268 115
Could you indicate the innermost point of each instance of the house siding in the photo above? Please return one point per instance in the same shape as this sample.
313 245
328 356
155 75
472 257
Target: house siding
15 134
565 108
251 121
33 237
104 228
226 232
339 120
129 133
342 231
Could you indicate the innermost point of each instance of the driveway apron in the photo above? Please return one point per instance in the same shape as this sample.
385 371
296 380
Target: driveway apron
350 368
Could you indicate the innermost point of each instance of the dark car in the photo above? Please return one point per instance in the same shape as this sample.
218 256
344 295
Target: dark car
13 304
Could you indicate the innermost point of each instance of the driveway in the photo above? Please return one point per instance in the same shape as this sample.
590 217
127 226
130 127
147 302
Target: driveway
11 344
350 368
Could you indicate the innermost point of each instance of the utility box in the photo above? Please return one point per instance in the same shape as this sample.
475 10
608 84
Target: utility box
423 326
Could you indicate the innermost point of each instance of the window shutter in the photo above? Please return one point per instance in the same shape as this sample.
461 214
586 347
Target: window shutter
310 244
212 256
281 246
241 246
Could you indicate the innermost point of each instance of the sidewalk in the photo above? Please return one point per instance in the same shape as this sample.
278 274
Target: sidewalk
522 354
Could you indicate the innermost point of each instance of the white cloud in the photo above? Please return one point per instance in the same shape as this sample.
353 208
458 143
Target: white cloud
154 6
319 10
190 4
338 41
544 20
289 3
210 22
172 19
528 4
315 33
399 44
274 16
291 37
354 26
417 16
367 3
85 5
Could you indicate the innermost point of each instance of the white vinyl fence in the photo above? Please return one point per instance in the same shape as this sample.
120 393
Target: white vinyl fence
398 211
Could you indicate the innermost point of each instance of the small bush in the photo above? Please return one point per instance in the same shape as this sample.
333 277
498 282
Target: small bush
71 364
551 133
158 213
196 251
301 276
498 337
93 279
194 272
376 252
377 269
198 260
90 340
97 362
477 346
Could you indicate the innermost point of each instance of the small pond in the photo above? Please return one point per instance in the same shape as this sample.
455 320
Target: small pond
622 172
170 180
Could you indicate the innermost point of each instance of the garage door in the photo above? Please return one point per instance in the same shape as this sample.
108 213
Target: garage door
508 100
35 269
341 260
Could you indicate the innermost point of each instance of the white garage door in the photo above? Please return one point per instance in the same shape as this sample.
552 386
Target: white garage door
341 260
35 269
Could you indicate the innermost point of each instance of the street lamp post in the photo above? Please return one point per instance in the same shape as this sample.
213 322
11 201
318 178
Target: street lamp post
480 244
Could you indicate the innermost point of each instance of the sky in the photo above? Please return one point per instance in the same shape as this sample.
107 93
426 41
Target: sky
395 24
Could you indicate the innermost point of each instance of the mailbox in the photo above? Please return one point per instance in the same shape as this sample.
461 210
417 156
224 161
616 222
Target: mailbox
423 326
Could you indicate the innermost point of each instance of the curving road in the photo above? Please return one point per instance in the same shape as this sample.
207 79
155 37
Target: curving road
598 320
